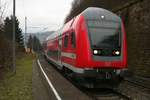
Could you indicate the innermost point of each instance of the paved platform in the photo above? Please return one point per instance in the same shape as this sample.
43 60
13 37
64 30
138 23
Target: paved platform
64 88
40 91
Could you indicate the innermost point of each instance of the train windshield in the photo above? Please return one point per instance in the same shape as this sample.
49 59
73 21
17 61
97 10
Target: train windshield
104 34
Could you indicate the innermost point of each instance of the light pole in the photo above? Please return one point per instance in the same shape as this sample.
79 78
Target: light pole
25 35
14 31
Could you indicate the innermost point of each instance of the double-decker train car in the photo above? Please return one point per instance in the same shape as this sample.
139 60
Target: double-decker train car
91 45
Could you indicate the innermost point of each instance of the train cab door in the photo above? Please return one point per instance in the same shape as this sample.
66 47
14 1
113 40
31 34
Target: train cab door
59 52
73 46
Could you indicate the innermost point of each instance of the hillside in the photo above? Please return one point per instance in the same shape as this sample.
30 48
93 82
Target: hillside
42 36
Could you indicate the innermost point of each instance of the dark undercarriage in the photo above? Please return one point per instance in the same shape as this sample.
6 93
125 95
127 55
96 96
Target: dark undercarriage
102 78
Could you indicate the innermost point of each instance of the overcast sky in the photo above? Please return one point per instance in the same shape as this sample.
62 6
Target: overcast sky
40 13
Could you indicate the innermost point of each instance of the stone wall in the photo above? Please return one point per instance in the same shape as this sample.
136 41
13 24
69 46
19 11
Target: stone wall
137 22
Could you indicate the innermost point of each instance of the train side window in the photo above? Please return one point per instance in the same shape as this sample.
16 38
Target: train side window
73 41
66 41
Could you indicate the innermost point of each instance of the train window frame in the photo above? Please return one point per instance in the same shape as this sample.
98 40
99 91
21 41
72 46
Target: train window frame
120 28
73 40
66 40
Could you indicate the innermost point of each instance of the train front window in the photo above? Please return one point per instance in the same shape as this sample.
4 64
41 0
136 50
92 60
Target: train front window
104 34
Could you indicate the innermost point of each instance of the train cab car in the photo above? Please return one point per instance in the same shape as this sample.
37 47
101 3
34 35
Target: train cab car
92 44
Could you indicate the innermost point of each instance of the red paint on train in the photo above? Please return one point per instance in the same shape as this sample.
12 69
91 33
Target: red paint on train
81 55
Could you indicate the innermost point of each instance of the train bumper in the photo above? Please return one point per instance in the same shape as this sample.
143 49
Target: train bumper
102 73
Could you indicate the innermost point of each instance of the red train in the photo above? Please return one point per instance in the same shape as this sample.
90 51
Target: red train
91 45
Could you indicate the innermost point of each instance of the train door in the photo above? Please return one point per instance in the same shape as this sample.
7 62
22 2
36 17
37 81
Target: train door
59 51
73 47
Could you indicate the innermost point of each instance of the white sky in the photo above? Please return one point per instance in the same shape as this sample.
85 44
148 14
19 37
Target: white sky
40 13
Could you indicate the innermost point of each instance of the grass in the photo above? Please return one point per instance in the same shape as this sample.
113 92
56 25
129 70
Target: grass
19 86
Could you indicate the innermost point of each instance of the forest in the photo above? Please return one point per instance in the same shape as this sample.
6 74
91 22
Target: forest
6 24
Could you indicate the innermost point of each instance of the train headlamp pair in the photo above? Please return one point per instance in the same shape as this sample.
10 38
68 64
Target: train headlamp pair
98 52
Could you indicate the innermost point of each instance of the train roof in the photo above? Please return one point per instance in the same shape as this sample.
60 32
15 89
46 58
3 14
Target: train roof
98 13
54 34
89 14
50 36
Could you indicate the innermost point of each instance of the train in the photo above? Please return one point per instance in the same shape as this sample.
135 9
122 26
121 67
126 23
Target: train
91 46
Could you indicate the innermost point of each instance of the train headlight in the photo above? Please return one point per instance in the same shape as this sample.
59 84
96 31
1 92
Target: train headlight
102 16
95 51
117 52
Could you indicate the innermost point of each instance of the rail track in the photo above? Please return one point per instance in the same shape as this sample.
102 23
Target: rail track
117 94
106 94
139 81
136 87
101 93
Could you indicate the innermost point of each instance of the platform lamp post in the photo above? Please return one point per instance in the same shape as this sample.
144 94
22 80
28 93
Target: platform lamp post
13 40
